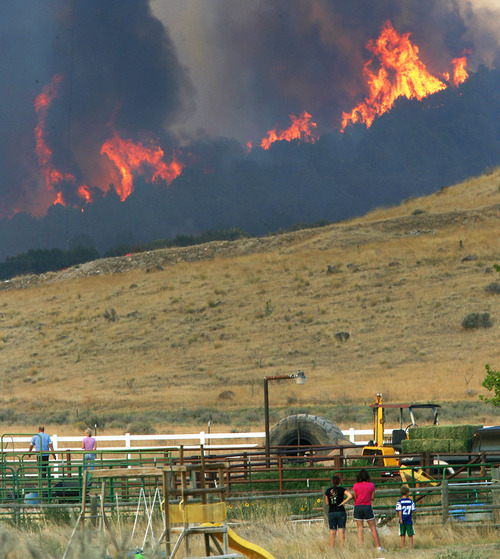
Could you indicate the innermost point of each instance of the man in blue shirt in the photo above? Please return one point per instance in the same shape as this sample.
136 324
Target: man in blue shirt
42 442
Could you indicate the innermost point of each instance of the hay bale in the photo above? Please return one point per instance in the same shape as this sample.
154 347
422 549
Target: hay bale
463 445
431 432
428 445
465 431
426 432
439 438
425 445
415 433
445 432
410 446
440 445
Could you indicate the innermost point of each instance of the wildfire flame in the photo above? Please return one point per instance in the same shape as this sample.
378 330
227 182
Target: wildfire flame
401 74
84 193
460 74
51 175
59 199
130 158
300 129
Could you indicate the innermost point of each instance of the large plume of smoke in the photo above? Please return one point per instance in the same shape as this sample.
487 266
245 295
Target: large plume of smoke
120 69
257 62
132 65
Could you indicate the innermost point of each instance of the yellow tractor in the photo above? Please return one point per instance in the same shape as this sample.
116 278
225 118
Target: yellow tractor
384 454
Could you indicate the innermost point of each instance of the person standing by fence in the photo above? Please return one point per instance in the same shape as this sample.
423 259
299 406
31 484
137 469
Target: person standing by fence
336 497
364 491
42 442
89 444
405 507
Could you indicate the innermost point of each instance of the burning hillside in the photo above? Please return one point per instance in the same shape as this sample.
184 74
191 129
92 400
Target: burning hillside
118 107
400 73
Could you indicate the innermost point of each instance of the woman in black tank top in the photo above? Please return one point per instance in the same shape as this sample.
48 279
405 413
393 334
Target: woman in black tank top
336 497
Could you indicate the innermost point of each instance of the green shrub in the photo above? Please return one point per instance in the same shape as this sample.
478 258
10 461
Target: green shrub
141 428
491 382
477 320
493 288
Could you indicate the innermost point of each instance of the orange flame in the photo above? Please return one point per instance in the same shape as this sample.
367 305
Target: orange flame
130 158
52 176
300 129
84 193
59 199
460 74
401 74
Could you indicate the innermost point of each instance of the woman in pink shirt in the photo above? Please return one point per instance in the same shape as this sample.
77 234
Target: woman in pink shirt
89 444
363 491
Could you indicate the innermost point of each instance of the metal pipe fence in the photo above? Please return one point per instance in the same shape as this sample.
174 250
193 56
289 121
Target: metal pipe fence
15 441
468 492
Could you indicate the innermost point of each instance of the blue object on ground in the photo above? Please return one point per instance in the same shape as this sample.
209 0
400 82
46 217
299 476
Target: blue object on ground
31 499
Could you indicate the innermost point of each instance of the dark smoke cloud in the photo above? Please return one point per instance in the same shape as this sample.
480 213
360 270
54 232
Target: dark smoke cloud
119 66
416 148
262 60
23 72
253 63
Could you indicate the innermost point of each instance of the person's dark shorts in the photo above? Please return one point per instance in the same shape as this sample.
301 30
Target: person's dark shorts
337 520
406 530
363 512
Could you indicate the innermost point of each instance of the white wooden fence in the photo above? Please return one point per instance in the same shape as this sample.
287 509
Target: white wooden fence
208 440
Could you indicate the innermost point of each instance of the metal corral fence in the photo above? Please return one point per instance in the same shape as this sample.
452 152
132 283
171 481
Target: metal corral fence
466 492
25 488
19 441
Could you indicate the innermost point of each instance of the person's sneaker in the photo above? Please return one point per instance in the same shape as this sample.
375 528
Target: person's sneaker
381 549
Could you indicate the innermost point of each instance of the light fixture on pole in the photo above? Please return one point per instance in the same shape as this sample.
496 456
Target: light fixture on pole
300 378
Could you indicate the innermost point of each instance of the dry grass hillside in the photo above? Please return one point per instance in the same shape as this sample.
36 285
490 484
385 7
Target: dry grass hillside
199 328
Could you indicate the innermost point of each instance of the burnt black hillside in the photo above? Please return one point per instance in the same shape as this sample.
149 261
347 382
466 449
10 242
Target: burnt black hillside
416 149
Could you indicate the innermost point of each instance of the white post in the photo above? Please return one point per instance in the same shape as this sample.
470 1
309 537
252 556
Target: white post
352 435
128 445
202 438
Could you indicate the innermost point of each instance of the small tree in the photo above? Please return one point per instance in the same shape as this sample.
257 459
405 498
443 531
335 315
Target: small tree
491 382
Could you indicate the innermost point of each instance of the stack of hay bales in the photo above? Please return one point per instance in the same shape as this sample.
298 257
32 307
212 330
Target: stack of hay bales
439 438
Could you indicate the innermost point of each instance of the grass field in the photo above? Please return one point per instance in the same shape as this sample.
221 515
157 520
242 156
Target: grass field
282 538
173 347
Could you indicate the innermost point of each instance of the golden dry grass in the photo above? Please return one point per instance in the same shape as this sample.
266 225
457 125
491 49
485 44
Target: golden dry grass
183 335
285 539
279 536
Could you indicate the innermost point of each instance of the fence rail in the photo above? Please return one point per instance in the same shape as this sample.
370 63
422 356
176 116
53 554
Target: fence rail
14 443
26 485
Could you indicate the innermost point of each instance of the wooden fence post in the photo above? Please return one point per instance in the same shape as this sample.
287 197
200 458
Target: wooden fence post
325 506
445 501
93 510
280 473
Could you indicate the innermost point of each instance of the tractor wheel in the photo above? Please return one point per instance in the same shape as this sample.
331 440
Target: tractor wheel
305 429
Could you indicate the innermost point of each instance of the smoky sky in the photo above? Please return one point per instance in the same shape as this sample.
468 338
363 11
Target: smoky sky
256 62
191 70
120 70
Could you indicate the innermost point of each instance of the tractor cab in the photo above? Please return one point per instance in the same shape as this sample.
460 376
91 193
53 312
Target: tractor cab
383 452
